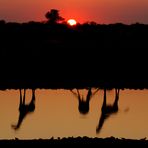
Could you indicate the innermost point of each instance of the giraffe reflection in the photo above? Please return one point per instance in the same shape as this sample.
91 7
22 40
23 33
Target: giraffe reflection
108 110
84 103
24 109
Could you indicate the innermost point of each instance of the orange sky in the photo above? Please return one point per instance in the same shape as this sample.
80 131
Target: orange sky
101 11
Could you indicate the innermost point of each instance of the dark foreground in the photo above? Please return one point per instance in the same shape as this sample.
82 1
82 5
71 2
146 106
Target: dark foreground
85 141
41 55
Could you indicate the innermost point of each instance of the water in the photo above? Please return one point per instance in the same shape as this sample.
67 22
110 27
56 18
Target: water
56 114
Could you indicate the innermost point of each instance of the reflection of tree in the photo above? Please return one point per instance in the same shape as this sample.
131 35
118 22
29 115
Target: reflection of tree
24 109
53 16
108 110
84 103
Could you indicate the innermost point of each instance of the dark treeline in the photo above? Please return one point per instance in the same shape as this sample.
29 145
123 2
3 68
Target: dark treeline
89 52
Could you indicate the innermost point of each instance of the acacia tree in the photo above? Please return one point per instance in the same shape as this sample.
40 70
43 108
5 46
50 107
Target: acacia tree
53 16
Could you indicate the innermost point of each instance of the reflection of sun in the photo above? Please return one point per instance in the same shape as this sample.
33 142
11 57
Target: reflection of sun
72 22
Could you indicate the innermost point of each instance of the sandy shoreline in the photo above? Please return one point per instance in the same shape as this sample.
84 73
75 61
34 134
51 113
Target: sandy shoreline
111 141
71 84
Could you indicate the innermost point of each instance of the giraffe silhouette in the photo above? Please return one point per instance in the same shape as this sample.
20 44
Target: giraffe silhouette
83 106
24 109
108 110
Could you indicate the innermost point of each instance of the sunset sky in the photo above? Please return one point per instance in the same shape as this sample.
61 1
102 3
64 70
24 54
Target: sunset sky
100 11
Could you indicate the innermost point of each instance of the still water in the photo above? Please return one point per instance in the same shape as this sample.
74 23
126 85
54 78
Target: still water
60 113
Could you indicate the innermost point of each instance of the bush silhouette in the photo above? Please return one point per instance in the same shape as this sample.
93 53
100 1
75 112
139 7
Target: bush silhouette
53 16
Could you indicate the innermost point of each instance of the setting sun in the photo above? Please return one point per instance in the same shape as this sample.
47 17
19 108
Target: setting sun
72 22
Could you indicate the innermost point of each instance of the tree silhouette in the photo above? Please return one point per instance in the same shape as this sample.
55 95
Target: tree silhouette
53 16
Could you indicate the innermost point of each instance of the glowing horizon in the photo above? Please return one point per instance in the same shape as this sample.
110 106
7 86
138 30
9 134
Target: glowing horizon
102 11
72 22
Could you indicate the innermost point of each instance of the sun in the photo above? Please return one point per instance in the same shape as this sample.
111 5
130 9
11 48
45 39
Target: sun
72 22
